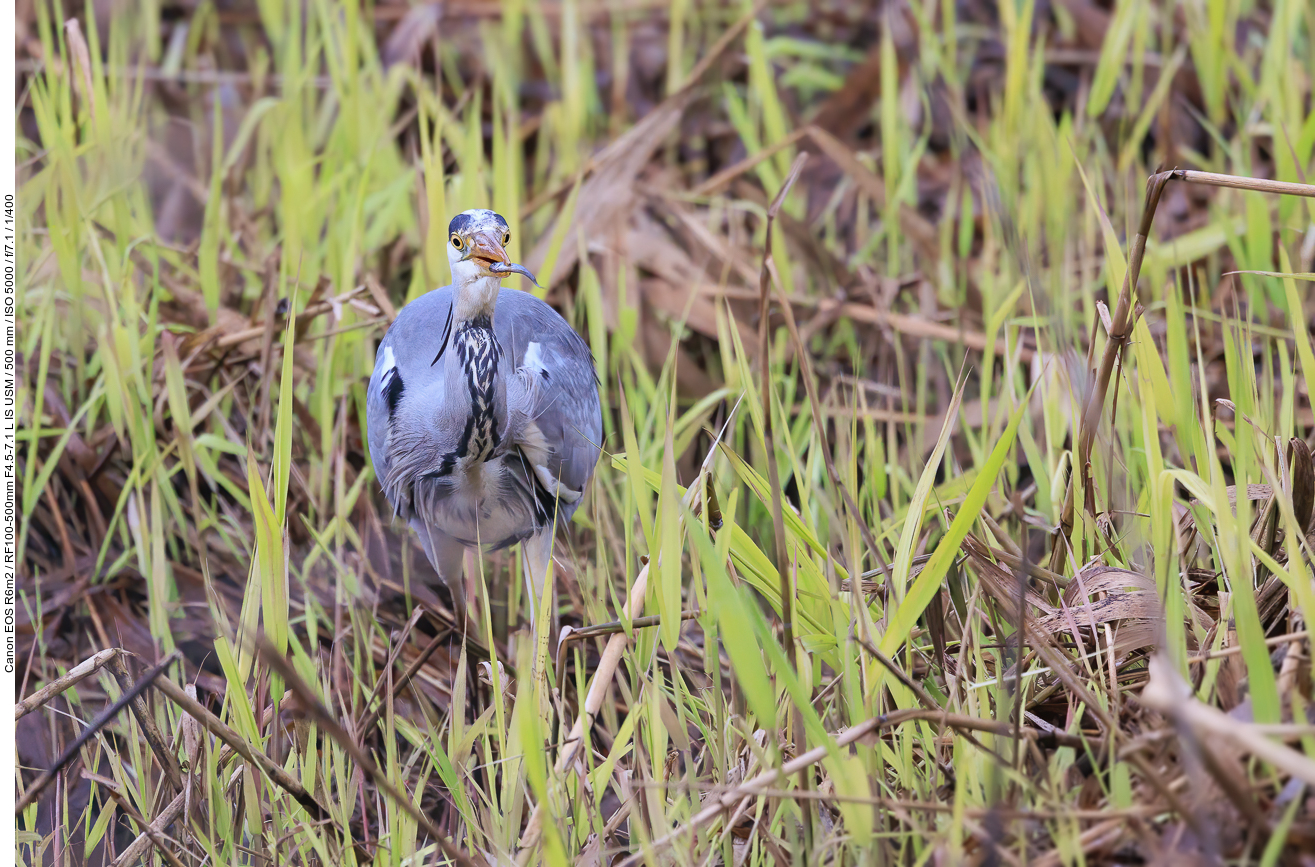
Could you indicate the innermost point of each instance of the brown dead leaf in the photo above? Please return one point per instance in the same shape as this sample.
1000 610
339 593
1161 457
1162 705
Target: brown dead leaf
917 326
608 195
1000 582
417 26
1254 493
915 226
1119 605
1101 595
1301 469
1106 579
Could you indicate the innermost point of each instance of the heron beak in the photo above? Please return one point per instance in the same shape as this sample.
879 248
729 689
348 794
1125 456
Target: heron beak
487 251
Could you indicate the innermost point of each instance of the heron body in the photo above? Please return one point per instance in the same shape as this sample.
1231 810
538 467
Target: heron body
483 415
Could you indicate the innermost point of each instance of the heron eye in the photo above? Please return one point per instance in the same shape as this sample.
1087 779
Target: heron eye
456 242
506 239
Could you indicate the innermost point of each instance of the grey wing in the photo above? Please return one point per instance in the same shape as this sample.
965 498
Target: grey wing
404 371
376 409
558 405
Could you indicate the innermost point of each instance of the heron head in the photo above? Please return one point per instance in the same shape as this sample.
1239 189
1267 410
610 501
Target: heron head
477 247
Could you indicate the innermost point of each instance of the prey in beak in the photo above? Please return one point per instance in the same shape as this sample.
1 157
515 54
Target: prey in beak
502 270
487 251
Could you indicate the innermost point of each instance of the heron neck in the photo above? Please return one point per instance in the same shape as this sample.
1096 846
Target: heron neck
475 300
474 381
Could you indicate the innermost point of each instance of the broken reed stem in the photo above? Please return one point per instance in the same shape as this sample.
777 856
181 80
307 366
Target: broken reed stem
138 847
76 675
1120 319
598 630
153 834
168 760
1238 182
372 716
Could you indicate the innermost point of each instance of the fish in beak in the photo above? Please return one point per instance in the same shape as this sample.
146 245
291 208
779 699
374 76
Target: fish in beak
502 270
489 253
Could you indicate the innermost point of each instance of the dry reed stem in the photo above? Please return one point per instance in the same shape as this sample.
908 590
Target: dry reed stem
76 675
1167 694
1239 182
166 818
168 760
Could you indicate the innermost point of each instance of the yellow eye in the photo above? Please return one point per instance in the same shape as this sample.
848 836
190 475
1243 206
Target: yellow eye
456 242
506 239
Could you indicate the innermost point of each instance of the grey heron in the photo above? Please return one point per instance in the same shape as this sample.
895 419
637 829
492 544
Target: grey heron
483 416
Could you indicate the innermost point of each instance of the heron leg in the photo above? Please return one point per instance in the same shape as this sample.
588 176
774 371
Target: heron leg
536 557
446 555
536 560
454 579
470 587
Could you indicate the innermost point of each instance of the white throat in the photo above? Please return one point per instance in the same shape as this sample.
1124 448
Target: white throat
476 297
